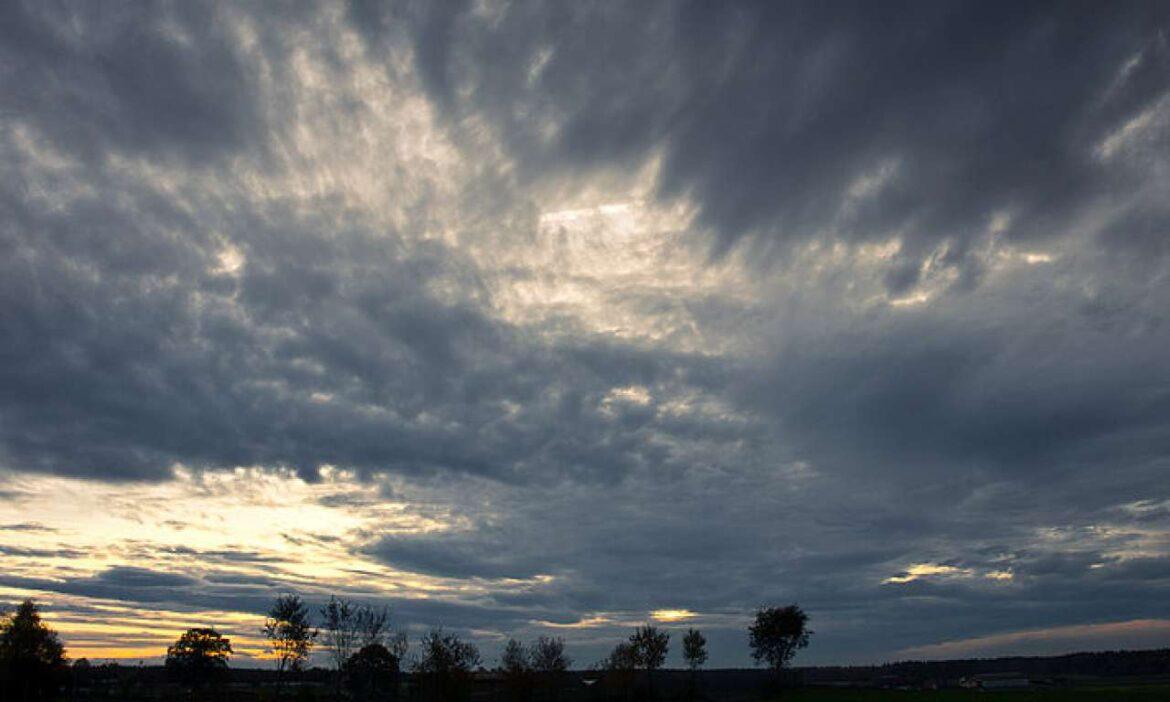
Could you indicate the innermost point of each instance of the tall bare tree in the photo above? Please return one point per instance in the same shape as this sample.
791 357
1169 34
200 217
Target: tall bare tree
446 664
373 624
290 634
341 633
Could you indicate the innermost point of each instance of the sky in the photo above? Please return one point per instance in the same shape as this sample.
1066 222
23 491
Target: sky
551 318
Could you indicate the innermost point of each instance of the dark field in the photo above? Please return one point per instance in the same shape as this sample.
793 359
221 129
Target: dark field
1136 693
1130 691
1133 693
1137 676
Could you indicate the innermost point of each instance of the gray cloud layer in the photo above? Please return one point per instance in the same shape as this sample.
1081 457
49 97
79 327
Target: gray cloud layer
768 114
184 280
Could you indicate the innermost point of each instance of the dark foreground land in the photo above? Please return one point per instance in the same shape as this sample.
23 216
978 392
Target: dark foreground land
1091 693
1140 693
1121 676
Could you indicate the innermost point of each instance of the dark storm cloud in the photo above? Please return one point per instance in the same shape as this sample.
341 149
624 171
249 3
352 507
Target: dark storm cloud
156 361
129 577
164 79
481 555
768 114
1000 393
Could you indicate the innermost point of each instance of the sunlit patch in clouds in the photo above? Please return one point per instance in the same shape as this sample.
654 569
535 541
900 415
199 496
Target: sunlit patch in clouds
672 615
922 570
259 515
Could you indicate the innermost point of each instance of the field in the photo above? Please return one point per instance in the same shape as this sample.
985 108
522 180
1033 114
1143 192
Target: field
1135 693
1140 693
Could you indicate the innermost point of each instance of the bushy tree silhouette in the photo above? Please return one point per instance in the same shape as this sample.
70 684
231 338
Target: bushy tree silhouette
777 634
695 654
199 657
548 656
550 663
32 659
516 668
694 649
650 647
620 666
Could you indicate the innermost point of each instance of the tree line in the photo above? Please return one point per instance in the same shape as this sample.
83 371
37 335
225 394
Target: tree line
366 656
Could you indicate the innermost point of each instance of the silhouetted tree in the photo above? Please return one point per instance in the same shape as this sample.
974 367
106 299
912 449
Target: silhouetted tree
777 634
32 659
650 648
550 663
339 630
347 626
199 657
695 649
290 634
548 655
446 663
341 633
372 673
373 625
398 645
620 666
695 653
80 673
516 667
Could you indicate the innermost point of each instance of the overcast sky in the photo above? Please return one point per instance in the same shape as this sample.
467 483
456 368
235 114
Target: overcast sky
561 317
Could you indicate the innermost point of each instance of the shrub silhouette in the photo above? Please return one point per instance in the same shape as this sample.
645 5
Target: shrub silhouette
372 673
199 657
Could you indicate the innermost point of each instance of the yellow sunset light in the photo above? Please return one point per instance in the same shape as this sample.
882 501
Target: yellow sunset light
672 615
